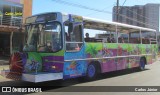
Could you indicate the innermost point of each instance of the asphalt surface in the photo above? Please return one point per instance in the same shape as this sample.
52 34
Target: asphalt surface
134 77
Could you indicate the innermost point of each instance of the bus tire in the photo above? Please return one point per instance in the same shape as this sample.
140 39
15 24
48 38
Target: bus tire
142 64
92 71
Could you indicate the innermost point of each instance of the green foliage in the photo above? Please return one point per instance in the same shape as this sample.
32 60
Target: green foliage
130 48
92 50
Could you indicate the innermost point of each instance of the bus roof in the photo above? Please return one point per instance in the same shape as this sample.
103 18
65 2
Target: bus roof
90 21
93 23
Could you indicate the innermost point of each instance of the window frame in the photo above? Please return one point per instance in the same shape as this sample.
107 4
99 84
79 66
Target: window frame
138 32
121 32
36 50
148 38
80 24
61 40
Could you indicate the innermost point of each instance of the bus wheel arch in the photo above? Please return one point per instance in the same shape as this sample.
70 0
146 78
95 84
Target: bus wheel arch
142 63
93 69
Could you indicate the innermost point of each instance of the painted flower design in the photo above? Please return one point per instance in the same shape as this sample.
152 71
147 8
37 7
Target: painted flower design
32 65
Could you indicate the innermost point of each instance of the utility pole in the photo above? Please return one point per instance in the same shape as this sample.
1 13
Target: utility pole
117 14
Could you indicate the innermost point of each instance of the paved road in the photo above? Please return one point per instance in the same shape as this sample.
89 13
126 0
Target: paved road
134 77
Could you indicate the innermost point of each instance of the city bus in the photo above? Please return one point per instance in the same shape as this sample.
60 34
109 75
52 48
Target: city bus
56 48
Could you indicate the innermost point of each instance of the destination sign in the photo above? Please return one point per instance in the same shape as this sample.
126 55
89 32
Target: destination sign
41 18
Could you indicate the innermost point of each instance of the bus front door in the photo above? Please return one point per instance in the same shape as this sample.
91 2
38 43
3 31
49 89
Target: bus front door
74 65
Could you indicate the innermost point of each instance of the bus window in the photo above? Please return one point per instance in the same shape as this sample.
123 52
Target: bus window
31 42
50 39
92 35
153 38
100 32
88 39
147 36
109 37
145 41
134 36
123 34
153 35
74 38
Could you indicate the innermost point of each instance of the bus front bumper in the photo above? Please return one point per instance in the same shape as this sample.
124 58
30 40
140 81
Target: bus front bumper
32 77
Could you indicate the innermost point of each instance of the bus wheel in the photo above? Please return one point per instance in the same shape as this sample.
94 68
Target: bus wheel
91 71
142 64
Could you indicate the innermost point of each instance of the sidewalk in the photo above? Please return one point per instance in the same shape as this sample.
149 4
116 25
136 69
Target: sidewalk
3 67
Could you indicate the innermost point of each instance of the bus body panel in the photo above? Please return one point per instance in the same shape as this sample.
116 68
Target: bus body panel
122 59
74 66
134 55
44 62
33 63
109 50
146 51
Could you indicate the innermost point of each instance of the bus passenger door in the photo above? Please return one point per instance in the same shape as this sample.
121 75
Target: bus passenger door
74 65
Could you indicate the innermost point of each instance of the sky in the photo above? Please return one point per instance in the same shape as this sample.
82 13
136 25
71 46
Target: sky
41 6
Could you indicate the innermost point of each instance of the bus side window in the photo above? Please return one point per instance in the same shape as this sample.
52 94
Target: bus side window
75 42
121 40
134 36
145 41
123 34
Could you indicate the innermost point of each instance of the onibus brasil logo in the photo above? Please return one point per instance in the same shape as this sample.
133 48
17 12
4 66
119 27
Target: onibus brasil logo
19 89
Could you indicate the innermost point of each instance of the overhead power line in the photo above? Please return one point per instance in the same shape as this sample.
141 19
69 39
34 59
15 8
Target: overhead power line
80 6
124 2
108 7
122 5
94 9
101 9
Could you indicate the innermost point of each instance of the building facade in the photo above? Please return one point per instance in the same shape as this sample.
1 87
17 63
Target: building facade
12 17
139 15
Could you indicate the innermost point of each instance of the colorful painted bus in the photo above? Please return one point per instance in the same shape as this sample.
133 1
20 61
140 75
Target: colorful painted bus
56 48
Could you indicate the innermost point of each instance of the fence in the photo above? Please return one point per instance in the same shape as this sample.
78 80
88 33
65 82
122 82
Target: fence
11 21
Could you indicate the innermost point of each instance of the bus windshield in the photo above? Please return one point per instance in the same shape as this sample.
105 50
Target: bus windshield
44 37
